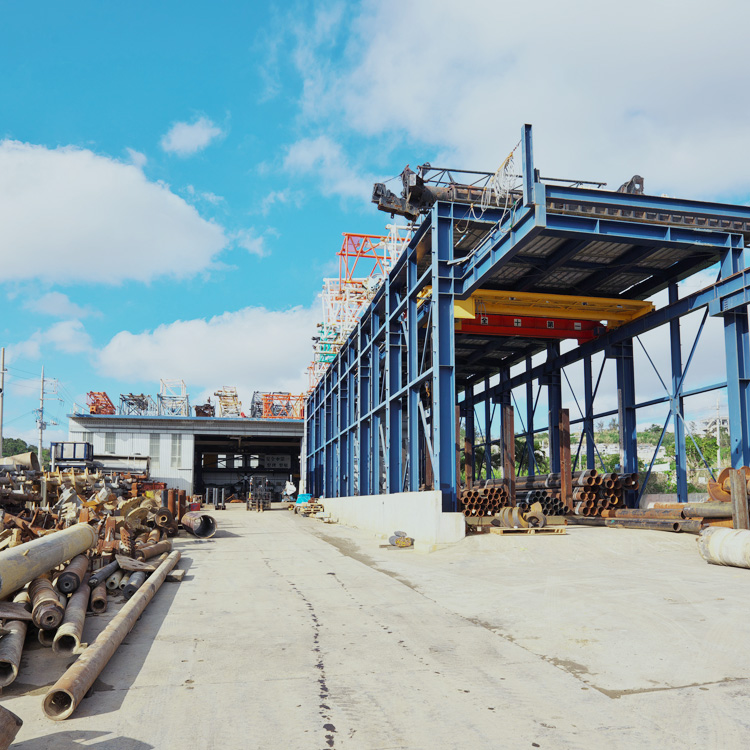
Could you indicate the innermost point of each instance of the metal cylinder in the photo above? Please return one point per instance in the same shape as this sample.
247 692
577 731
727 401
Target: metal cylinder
152 550
170 502
660 513
163 517
46 610
199 524
101 575
113 582
22 461
708 510
652 524
45 637
21 564
11 644
722 546
10 724
135 581
99 599
124 580
154 536
70 579
65 695
68 637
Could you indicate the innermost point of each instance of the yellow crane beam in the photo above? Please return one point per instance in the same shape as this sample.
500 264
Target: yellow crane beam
615 311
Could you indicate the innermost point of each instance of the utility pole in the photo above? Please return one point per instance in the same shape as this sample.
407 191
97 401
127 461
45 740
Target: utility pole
2 395
41 416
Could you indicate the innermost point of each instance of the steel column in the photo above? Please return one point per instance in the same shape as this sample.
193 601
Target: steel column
588 411
737 348
676 401
530 421
553 382
487 430
443 357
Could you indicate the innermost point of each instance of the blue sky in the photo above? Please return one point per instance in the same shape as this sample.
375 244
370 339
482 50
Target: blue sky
175 176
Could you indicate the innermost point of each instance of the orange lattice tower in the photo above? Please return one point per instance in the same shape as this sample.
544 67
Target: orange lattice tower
99 403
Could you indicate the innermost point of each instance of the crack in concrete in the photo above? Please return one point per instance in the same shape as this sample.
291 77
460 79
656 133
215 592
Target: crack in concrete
323 693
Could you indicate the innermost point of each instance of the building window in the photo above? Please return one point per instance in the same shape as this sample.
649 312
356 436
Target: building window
176 451
87 437
154 448
109 442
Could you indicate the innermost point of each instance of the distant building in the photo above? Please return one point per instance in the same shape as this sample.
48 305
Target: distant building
194 453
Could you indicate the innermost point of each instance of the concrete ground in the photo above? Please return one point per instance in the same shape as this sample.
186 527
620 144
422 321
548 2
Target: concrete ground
289 633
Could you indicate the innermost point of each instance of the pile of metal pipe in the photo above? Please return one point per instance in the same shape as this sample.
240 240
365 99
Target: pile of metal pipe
65 695
483 501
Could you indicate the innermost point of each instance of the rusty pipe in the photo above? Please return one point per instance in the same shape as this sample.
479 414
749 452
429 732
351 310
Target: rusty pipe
24 563
154 536
700 510
65 695
68 637
152 550
659 513
46 610
101 575
135 581
70 579
11 644
99 599
163 517
652 524
124 580
199 524
10 724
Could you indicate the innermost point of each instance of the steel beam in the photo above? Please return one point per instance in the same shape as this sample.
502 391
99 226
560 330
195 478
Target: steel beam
443 357
737 348
676 400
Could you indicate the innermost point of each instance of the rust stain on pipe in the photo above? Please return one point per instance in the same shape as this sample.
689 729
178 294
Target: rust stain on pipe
46 610
99 599
70 579
65 695
68 637
201 524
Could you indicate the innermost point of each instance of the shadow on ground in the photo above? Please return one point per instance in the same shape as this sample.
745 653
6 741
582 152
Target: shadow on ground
77 739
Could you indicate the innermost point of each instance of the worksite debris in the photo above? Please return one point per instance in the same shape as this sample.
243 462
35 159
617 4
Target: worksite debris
70 541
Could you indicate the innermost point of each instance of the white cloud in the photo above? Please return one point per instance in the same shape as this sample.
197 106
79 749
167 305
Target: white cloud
281 197
66 336
254 243
67 214
204 195
253 349
186 139
58 305
609 94
325 158
137 159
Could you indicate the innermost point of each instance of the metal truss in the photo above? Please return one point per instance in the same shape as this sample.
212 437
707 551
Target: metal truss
384 416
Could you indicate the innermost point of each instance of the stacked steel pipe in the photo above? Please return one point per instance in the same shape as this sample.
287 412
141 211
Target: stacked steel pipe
484 501
592 492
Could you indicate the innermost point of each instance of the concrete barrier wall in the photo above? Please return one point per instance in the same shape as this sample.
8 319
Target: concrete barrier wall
419 514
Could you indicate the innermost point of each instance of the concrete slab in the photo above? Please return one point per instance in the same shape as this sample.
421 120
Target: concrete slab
290 633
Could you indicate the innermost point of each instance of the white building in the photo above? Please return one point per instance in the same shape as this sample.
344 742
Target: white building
194 453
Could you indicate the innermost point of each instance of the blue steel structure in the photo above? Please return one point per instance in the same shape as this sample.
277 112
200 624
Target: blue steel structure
383 418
